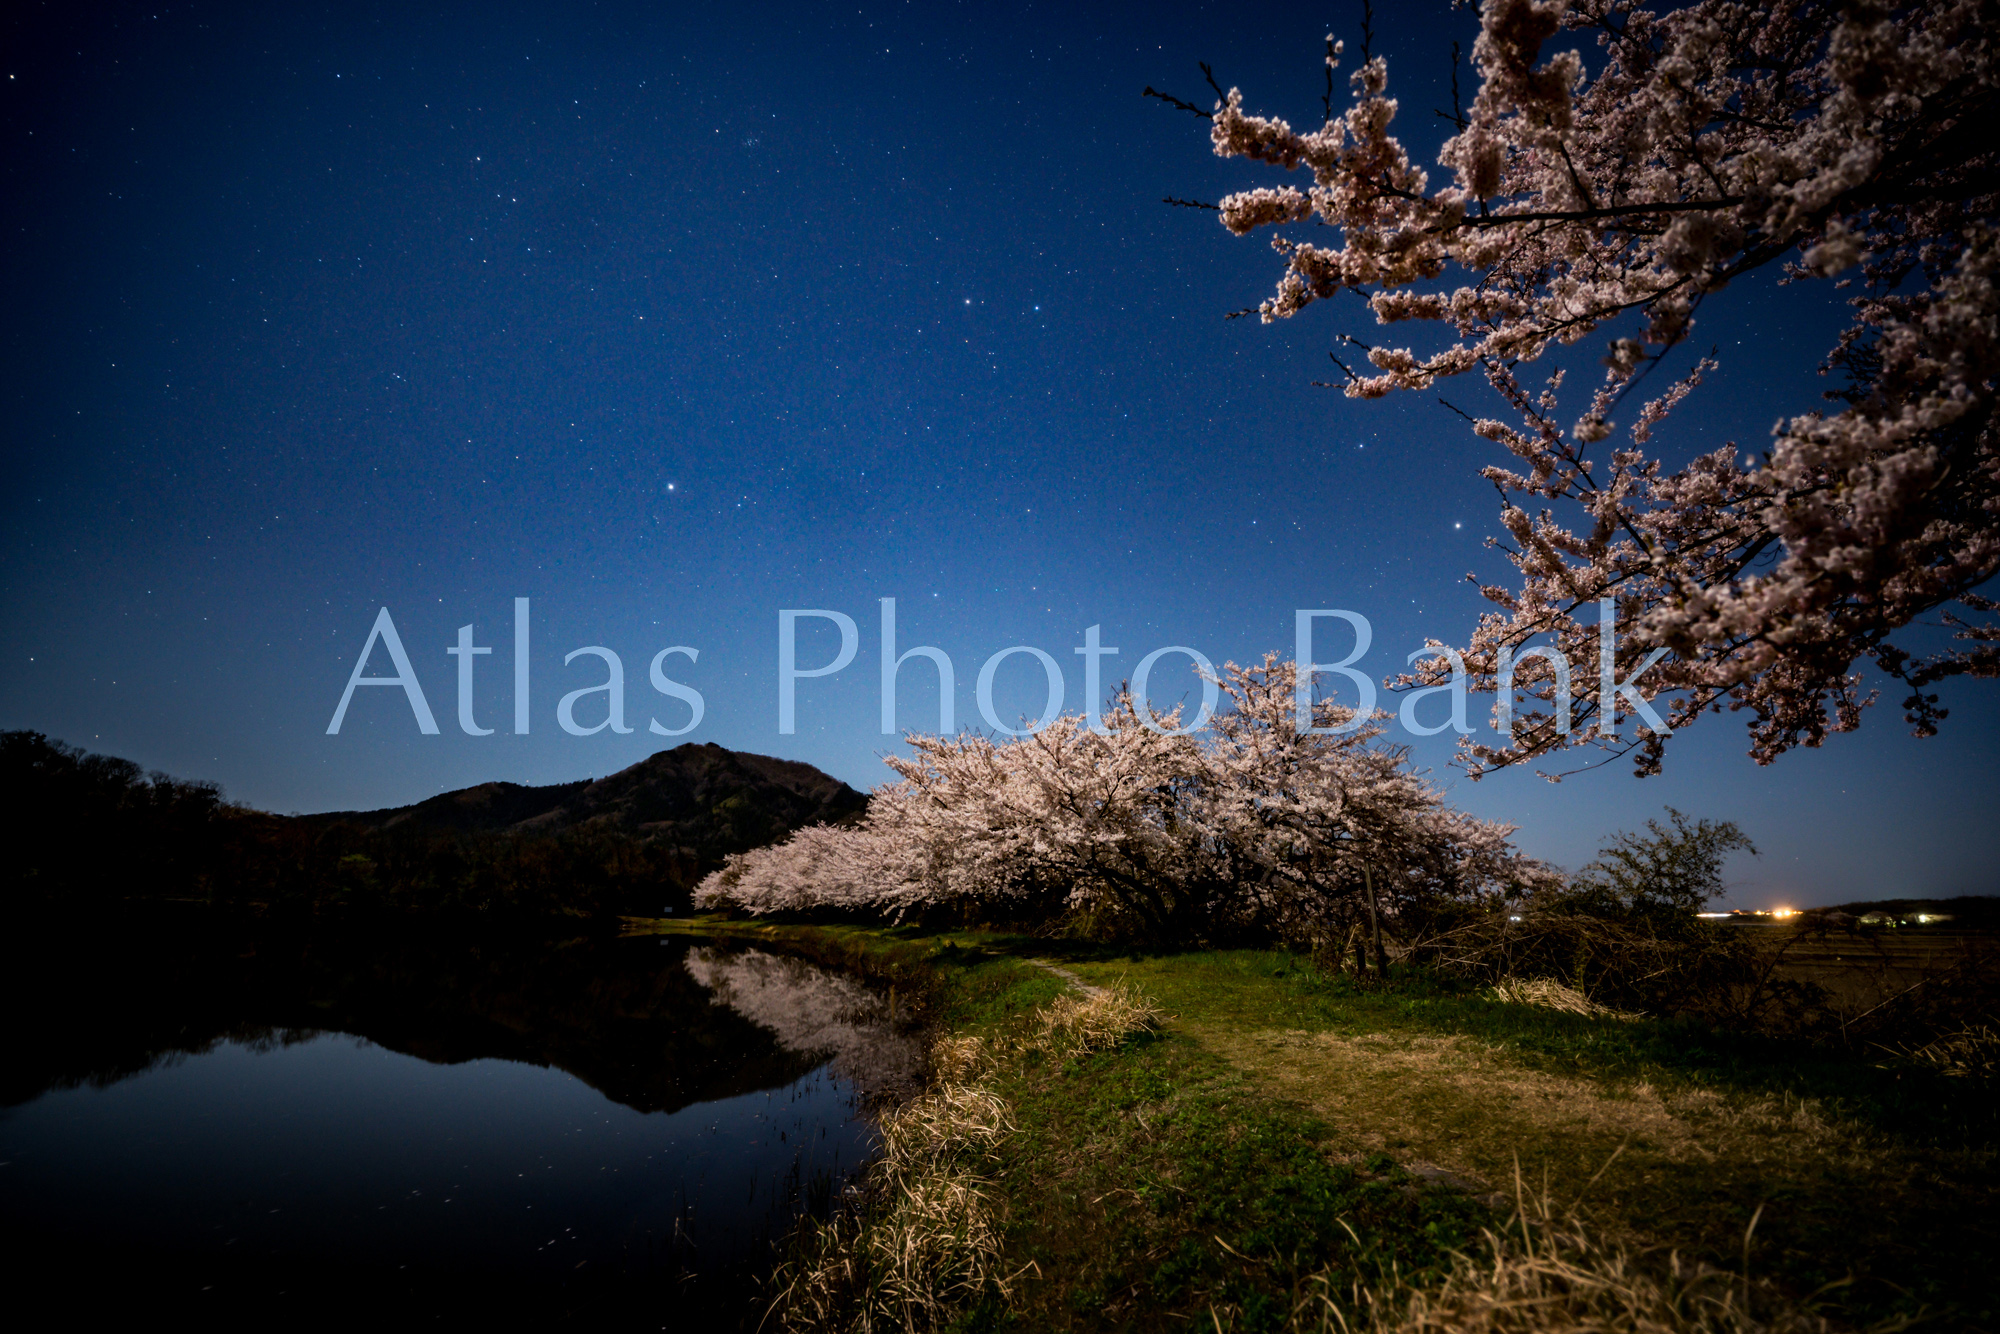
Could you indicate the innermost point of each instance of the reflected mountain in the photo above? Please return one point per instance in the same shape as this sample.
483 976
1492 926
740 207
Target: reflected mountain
636 1020
585 1130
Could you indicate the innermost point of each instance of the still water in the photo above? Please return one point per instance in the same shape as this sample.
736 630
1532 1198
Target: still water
600 1130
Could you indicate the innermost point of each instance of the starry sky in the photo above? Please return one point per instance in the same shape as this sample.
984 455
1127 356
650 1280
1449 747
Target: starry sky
666 317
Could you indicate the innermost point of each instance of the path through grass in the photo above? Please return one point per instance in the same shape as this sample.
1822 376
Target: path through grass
1283 1128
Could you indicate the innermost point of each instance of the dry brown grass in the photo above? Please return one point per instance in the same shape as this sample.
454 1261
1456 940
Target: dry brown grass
960 1059
1550 994
928 1246
1463 1104
1077 1024
1973 1052
926 1243
1548 1271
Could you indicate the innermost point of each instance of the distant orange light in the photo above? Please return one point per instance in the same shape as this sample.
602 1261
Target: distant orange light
1784 912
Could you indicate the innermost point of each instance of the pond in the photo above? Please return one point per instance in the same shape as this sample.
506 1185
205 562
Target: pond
278 1126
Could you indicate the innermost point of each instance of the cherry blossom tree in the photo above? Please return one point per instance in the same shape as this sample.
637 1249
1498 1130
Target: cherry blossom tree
1065 821
1608 196
1070 821
1136 829
1329 826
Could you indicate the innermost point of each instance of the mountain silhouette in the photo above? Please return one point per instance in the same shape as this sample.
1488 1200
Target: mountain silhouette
84 830
701 798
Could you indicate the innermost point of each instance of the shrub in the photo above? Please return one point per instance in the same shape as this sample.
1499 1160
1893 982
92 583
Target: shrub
1623 932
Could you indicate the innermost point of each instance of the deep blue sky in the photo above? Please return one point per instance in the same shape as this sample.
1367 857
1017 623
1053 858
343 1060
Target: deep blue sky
669 317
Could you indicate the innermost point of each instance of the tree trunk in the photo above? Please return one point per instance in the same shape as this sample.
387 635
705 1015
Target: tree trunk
1375 924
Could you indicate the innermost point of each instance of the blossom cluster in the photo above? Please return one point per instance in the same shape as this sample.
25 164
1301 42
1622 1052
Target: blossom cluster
1845 142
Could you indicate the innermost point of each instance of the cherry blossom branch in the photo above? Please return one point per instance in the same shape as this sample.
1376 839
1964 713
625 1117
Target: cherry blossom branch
1711 143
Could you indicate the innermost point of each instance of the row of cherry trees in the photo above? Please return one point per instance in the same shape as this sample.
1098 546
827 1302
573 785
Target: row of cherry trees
1127 830
1848 141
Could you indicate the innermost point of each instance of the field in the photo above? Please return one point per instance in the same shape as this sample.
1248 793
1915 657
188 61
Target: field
1869 969
1286 1144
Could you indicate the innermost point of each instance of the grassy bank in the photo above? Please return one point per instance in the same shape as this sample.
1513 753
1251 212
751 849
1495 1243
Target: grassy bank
1286 1135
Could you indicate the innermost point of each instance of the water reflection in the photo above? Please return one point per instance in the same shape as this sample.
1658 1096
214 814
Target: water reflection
595 1129
812 1011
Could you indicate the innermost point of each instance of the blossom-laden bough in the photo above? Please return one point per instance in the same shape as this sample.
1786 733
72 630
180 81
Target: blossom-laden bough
1845 141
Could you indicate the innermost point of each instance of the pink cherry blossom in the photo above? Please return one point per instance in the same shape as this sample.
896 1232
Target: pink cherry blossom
1850 143
1251 827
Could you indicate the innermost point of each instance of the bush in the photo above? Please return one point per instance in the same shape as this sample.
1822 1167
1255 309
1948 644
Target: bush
1623 931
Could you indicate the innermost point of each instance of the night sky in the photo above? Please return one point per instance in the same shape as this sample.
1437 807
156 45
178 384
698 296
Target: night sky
669 317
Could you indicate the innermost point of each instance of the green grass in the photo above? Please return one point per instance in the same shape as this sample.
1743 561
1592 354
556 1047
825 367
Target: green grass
1865 1170
1157 1181
1271 989
1199 1175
